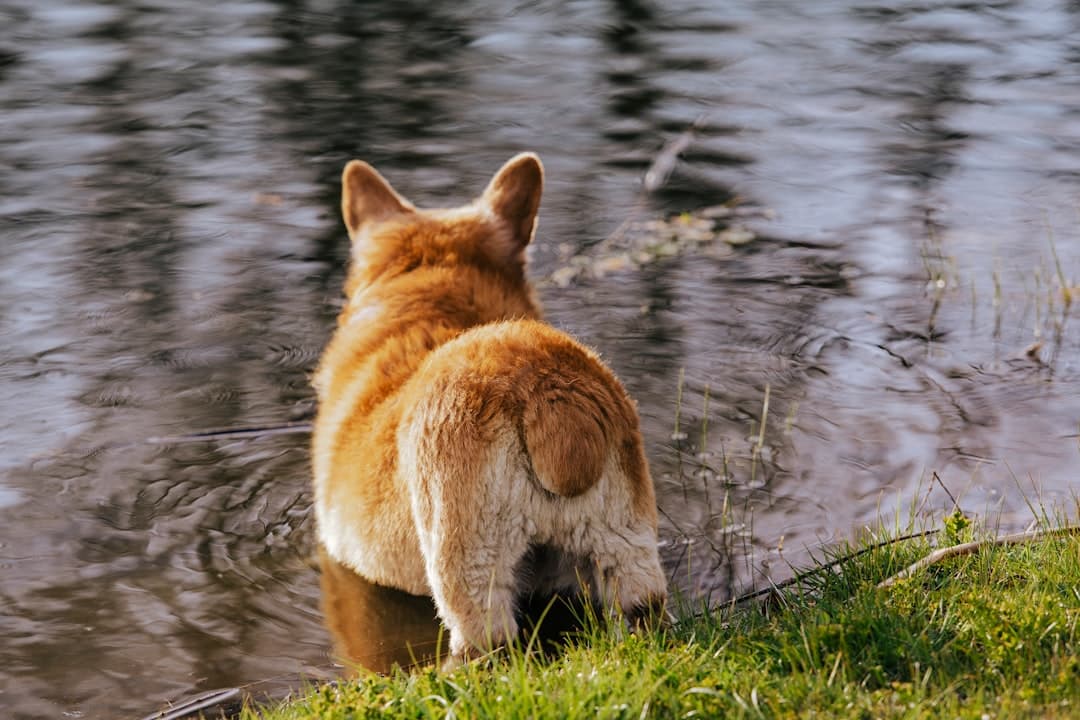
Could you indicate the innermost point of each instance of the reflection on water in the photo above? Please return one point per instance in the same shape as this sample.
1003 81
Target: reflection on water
376 628
172 257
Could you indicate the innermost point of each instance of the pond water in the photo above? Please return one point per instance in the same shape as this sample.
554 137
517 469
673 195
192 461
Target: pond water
896 304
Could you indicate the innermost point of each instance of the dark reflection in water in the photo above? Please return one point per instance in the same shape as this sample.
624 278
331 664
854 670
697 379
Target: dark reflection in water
172 258
377 628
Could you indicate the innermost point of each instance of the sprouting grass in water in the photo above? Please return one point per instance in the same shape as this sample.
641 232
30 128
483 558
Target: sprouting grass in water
995 634
723 481
1066 288
760 443
1034 302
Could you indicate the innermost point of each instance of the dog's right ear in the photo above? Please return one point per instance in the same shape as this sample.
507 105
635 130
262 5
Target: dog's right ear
367 198
514 196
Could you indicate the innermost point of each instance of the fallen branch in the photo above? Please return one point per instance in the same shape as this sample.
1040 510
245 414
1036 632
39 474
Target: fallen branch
248 432
252 431
664 163
968 548
227 703
776 587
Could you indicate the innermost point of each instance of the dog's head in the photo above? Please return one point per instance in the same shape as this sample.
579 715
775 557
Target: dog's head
390 236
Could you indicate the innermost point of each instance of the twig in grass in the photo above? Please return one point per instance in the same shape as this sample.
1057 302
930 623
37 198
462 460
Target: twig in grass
227 702
835 563
777 587
971 547
955 504
1016 481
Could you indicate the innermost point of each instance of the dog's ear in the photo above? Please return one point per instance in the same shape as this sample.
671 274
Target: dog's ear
514 197
367 198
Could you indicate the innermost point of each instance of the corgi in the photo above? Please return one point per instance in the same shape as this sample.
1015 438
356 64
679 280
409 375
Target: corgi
463 449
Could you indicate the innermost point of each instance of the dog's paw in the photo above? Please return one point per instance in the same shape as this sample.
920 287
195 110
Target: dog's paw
649 615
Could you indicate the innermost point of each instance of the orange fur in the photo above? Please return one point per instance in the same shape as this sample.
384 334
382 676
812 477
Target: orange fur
457 432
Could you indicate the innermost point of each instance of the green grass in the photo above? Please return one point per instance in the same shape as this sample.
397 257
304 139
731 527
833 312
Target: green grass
994 634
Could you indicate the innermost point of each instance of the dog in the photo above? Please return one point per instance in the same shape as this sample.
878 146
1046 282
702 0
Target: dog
463 449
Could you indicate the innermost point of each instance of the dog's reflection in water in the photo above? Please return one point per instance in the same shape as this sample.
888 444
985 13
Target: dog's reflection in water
375 627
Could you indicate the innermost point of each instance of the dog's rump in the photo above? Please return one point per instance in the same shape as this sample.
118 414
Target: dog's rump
572 415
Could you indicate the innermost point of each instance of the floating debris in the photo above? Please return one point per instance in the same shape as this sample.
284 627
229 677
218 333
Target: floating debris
1034 352
736 235
564 276
712 231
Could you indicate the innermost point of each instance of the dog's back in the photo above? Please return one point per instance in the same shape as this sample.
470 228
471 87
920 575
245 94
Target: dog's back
456 431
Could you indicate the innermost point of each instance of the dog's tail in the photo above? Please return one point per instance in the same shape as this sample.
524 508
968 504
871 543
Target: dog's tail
571 431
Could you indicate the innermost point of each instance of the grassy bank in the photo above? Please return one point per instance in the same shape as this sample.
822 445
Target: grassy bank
992 634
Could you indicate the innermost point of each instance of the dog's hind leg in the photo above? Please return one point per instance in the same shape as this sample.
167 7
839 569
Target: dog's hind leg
627 575
472 531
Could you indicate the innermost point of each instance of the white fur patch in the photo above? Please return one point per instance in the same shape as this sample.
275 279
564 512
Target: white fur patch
364 313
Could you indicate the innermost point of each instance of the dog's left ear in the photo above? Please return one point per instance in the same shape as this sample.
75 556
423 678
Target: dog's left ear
367 198
514 197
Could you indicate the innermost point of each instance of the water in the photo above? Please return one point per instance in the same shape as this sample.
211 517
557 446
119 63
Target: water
172 258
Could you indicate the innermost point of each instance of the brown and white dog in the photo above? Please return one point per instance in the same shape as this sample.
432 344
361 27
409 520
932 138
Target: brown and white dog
463 448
